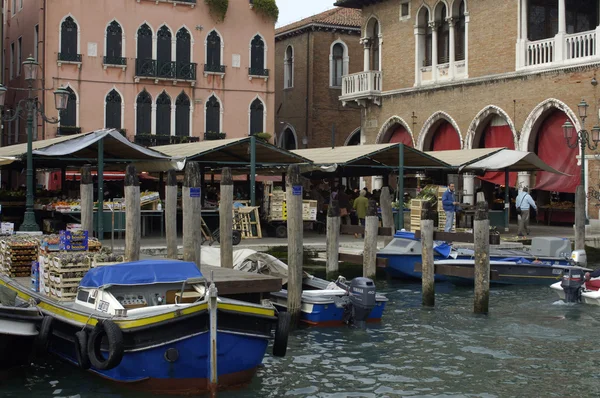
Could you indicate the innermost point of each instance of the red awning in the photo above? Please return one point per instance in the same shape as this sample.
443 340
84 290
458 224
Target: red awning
445 138
553 150
499 135
401 135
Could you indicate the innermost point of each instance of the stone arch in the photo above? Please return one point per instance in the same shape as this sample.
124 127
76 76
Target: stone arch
537 117
481 121
386 128
279 138
429 127
456 4
437 8
350 137
369 25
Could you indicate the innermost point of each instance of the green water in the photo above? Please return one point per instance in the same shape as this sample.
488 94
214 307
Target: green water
530 345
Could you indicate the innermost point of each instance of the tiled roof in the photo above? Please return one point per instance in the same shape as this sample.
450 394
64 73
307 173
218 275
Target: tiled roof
337 16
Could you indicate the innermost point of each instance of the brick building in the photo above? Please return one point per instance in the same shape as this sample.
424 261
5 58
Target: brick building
452 74
311 56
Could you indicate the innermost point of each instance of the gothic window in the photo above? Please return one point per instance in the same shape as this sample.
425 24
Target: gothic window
182 115
213 115
428 44
113 110
375 46
163 114
165 67
68 40
460 32
213 49
288 65
143 113
183 52
443 39
114 44
337 65
257 111
144 42
257 56
68 117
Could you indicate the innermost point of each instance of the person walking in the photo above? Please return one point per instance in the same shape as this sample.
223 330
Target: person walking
450 206
361 204
524 203
344 202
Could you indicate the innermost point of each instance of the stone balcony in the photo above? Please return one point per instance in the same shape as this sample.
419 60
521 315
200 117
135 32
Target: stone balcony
362 87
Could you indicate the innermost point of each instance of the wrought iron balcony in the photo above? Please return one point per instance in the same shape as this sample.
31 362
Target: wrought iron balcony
68 57
211 135
258 72
151 68
67 130
159 139
115 61
208 68
192 3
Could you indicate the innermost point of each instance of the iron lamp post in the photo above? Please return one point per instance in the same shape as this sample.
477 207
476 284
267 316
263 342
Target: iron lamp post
582 139
28 108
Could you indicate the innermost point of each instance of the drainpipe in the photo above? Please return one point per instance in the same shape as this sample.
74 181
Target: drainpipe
43 70
307 82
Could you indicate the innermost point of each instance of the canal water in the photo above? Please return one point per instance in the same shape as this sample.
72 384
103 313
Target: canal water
531 345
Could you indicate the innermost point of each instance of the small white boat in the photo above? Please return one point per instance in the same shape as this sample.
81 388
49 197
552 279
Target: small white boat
574 288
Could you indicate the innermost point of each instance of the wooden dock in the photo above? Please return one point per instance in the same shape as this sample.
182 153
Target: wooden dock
230 281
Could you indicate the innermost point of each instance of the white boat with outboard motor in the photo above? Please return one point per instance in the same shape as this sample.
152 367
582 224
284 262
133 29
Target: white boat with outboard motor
576 286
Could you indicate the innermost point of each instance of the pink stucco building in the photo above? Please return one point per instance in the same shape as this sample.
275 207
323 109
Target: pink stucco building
157 69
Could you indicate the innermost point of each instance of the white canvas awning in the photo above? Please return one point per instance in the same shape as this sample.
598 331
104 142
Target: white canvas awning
510 160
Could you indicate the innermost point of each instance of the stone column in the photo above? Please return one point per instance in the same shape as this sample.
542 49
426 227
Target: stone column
434 52
523 180
367 49
559 39
466 45
452 54
418 51
469 188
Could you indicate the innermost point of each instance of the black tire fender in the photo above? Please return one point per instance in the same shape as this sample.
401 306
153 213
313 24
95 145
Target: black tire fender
43 339
236 237
114 338
284 320
81 353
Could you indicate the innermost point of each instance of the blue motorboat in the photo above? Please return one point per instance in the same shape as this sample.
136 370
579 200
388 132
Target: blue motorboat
147 324
404 251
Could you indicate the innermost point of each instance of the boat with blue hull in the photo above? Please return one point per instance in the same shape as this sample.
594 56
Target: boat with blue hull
147 324
404 252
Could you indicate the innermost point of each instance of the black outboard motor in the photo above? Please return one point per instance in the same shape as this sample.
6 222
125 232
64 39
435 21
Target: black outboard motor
362 299
572 284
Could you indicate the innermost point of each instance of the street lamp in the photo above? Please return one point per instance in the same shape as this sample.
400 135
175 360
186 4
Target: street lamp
28 108
582 138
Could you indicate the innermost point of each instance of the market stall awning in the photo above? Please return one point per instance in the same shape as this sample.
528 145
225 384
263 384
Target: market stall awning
462 157
511 160
235 151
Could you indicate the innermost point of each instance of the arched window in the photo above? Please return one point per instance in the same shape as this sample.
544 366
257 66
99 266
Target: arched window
213 115
257 112
184 53
114 45
337 64
182 115
164 64
460 32
428 58
163 114
143 113
68 41
288 140
288 68
213 53
443 40
113 103
68 117
374 46
257 57
144 65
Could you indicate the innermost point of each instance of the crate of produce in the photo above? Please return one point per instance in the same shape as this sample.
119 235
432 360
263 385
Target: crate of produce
104 259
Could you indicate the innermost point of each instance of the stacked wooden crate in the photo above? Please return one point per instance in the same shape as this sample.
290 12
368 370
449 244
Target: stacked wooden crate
65 273
416 205
247 221
277 207
18 254
309 210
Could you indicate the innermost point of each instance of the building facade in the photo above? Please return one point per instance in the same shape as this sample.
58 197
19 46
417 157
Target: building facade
461 74
311 56
161 71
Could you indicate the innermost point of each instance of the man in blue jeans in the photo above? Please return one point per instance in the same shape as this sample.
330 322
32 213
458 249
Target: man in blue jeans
450 207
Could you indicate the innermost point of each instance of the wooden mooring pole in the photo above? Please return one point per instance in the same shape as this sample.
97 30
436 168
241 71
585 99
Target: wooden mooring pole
333 239
387 215
428 273
226 219
295 237
481 240
580 218
133 215
192 216
171 214
87 200
370 247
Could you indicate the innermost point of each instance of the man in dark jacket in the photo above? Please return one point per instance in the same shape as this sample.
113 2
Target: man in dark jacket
450 207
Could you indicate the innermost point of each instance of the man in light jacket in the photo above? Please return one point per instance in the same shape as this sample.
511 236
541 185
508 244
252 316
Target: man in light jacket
450 207
524 202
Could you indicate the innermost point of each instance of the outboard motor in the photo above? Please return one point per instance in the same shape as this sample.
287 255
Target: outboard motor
572 284
579 258
362 299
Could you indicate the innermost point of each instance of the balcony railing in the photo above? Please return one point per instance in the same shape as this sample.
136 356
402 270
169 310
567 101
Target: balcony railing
540 52
258 72
581 45
361 85
157 139
67 130
68 57
175 2
119 61
211 135
214 68
151 68
561 48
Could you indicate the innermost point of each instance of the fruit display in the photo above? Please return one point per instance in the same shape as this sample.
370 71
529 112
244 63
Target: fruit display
17 253
560 206
429 194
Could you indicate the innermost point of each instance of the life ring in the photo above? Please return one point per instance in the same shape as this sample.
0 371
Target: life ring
114 337
284 319
81 354
43 337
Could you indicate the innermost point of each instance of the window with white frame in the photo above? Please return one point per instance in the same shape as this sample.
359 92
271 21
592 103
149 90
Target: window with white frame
113 104
338 63
182 115
288 68
405 10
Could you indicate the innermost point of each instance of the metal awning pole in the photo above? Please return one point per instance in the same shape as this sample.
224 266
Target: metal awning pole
252 170
506 199
400 187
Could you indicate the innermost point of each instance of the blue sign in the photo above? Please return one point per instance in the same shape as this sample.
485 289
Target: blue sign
195 192
297 190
